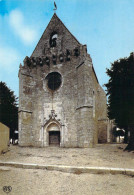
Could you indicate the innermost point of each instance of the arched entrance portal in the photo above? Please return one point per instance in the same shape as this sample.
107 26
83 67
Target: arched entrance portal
54 134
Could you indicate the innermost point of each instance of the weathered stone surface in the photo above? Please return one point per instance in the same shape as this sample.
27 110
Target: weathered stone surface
69 169
4 138
75 108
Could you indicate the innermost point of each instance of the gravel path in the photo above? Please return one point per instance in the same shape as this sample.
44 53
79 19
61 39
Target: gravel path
38 182
103 155
42 182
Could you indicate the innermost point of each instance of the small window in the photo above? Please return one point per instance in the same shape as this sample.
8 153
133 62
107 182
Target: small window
53 39
53 80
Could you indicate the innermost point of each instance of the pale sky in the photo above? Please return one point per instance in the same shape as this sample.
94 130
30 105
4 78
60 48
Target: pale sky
106 26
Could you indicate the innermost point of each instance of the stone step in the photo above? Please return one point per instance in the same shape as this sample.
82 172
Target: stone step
5 168
70 169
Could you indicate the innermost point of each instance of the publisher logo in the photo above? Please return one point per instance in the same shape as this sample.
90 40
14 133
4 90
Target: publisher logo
7 189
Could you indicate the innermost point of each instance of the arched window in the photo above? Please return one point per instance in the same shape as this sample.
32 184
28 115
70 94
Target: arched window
53 39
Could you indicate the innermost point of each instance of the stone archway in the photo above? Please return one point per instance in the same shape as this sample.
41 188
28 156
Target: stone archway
54 134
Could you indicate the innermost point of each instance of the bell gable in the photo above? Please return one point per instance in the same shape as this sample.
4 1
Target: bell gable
56 38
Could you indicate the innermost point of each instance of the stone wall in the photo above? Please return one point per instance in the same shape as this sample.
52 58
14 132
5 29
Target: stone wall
102 116
73 107
99 111
4 138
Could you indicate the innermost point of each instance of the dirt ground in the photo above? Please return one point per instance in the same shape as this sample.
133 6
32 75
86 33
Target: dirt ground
42 182
109 155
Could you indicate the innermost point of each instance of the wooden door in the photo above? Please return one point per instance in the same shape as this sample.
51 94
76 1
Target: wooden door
54 138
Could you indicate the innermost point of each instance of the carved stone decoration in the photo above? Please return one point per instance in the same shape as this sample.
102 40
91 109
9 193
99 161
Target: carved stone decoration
76 52
54 58
33 60
68 55
52 115
47 61
61 58
45 121
39 61
27 61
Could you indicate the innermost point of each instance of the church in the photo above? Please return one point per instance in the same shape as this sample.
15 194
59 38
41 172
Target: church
60 100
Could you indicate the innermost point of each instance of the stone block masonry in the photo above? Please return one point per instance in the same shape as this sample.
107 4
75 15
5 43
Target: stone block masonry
60 99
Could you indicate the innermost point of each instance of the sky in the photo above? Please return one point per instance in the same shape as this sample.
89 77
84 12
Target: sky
105 26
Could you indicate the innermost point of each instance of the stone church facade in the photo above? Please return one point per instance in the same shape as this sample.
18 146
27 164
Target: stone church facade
60 99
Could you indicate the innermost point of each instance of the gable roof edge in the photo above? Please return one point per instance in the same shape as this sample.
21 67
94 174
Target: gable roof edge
66 28
54 15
